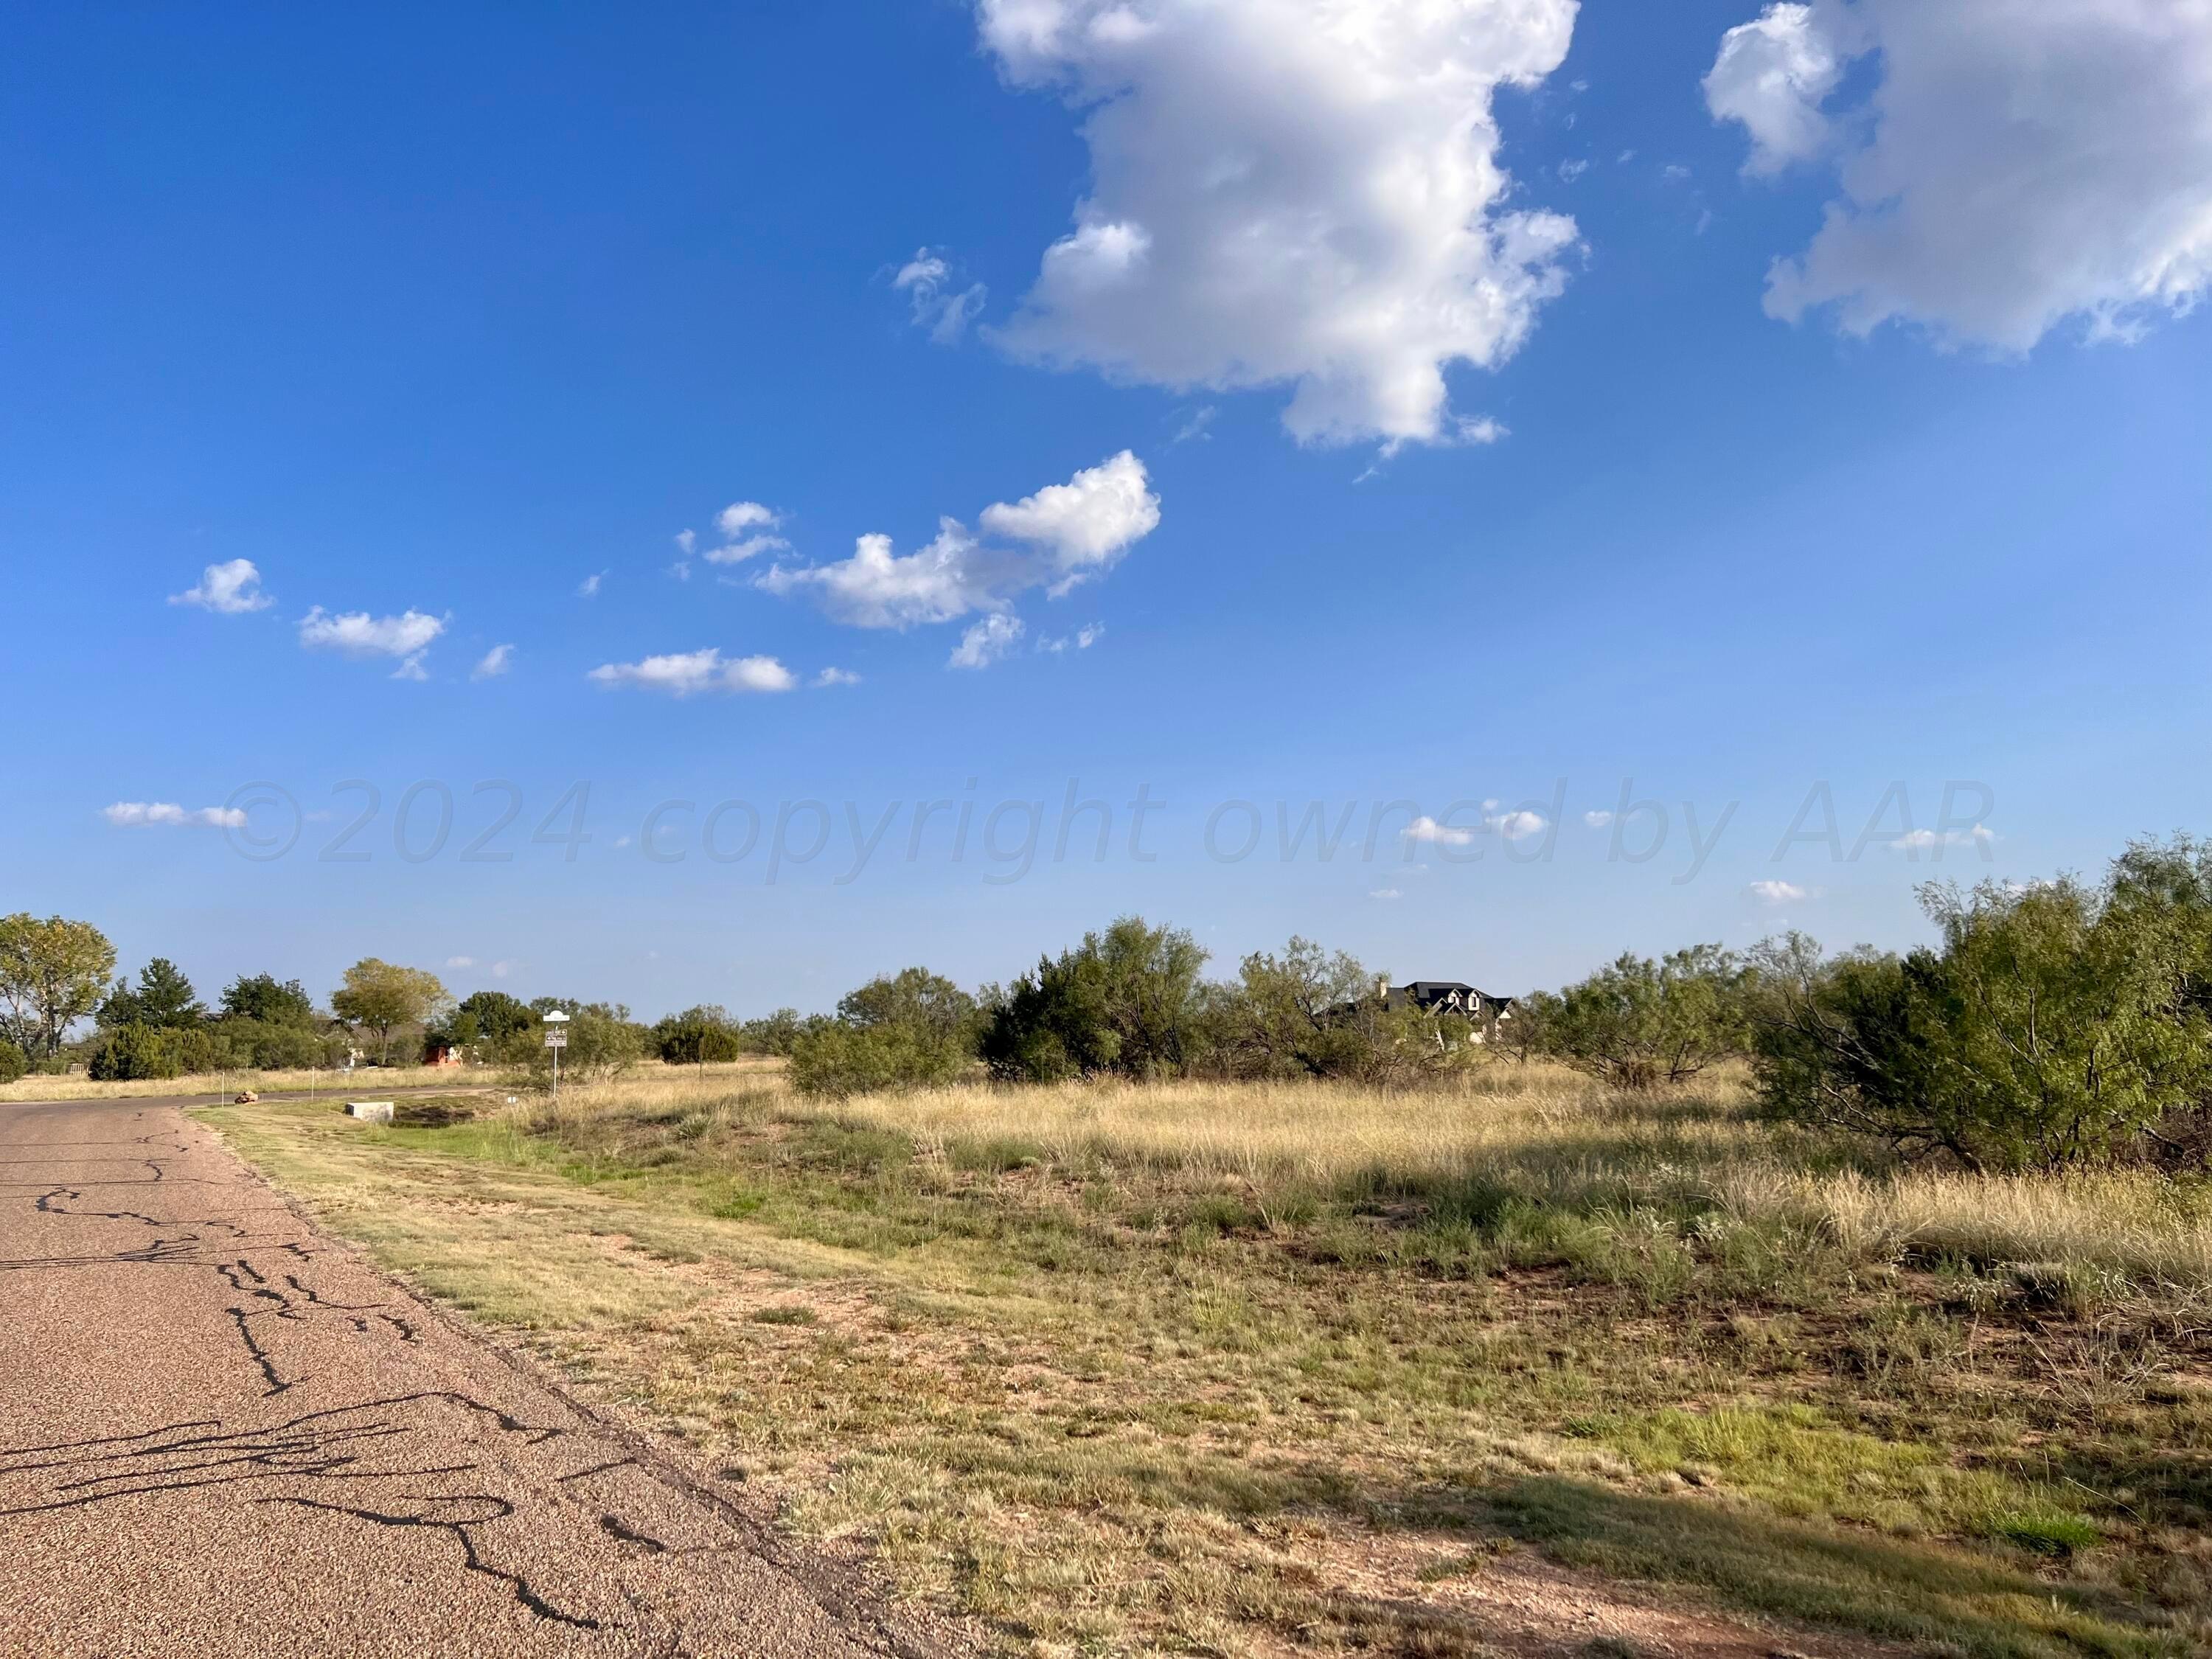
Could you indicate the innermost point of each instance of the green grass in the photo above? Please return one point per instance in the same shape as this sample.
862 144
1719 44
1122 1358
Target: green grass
1115 1400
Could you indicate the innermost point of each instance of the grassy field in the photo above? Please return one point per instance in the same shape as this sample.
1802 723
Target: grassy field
333 1083
1313 1369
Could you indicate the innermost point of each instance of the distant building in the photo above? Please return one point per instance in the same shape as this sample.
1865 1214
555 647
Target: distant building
444 1054
1480 1009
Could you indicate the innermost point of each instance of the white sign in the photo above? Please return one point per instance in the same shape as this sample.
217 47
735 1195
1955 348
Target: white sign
556 1039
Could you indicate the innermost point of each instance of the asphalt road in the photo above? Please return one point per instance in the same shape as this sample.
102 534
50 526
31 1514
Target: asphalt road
222 1434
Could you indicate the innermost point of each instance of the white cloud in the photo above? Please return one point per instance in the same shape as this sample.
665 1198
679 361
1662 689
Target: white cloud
750 547
460 962
146 814
230 590
1776 892
986 641
589 587
1598 819
684 674
738 517
1060 537
1082 640
836 677
1570 170
1194 425
1517 826
1773 74
943 310
494 663
501 969
1443 834
2016 164
1299 195
686 540
1914 840
746 529
1385 893
357 634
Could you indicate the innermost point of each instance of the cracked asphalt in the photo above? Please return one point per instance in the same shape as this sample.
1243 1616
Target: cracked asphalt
222 1434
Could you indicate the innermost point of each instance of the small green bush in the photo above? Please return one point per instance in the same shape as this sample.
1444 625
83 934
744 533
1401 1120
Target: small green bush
13 1063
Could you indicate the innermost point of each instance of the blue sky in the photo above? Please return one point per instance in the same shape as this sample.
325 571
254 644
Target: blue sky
450 314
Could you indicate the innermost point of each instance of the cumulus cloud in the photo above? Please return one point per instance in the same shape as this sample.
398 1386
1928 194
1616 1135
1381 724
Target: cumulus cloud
1300 195
460 962
147 814
1773 75
986 641
940 306
1442 835
1516 825
1385 893
357 634
589 587
1597 819
687 674
494 663
2017 163
747 530
1776 892
1063 535
229 590
836 677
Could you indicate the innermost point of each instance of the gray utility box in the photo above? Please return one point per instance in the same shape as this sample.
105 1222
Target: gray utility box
374 1111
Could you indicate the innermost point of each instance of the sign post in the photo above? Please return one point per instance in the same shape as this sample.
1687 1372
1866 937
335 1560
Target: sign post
556 1039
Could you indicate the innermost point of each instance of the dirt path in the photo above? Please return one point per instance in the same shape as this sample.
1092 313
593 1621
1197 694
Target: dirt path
219 1433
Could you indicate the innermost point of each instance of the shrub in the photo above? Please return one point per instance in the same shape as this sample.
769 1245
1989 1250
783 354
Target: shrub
835 1059
1127 1001
134 1053
2057 1024
1642 1022
14 1063
696 1036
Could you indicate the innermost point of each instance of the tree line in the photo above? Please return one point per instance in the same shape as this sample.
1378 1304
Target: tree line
2049 1025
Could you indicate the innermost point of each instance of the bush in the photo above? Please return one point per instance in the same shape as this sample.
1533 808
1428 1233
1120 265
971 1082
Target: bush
1127 1001
777 1034
2057 1024
14 1063
603 1042
136 1052
835 1059
696 1036
1642 1022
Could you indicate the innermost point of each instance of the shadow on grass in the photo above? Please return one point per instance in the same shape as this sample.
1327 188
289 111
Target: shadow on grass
1921 1593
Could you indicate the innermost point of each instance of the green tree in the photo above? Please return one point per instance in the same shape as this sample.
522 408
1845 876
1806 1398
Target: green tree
698 1036
1297 1014
1127 1001
163 997
270 1000
916 998
53 974
14 1063
1641 1021
382 997
498 1016
2054 1025
773 1034
603 1042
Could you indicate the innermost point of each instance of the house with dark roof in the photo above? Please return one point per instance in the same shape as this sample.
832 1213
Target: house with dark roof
1449 999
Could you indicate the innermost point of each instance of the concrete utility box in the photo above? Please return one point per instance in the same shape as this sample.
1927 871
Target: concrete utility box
374 1111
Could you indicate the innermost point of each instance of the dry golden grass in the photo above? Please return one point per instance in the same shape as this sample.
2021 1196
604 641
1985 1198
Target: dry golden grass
1537 1133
